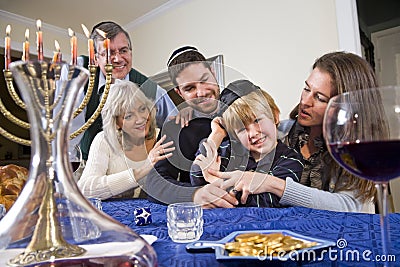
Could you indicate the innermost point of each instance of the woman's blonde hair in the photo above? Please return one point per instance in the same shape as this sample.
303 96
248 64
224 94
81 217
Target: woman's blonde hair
124 96
244 109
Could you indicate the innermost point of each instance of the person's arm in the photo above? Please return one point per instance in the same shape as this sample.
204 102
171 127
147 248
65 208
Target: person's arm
163 187
218 132
166 183
196 173
290 192
296 194
95 182
207 157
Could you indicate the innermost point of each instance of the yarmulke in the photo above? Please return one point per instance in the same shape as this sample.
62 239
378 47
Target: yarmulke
235 90
180 51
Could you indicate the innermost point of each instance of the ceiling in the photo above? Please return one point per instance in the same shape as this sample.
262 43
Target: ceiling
129 12
375 12
89 12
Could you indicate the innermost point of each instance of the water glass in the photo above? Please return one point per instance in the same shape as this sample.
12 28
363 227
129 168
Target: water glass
96 202
185 222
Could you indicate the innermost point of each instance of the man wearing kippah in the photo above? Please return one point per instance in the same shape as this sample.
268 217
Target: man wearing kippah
169 181
121 60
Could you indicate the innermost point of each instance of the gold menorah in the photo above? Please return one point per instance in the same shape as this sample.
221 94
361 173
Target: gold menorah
25 125
37 81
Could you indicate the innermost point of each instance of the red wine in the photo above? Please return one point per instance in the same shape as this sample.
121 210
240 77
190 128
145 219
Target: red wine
119 261
75 165
376 160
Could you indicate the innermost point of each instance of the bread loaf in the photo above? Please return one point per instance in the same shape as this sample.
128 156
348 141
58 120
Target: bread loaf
12 180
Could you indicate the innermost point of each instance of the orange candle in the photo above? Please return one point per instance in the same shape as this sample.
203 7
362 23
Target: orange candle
57 54
106 45
25 49
74 52
7 47
90 45
39 39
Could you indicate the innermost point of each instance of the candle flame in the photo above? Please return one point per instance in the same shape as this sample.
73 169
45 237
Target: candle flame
101 33
8 30
26 34
57 45
38 24
71 32
87 33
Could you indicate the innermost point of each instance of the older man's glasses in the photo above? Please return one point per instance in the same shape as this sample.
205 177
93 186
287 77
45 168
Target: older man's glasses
121 52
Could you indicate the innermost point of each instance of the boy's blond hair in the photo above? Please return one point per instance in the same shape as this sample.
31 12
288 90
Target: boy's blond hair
243 111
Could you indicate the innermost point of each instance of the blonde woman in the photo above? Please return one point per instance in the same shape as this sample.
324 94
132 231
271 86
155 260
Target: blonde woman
122 155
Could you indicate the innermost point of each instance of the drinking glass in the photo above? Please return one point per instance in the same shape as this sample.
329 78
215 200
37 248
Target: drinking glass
362 131
185 222
76 160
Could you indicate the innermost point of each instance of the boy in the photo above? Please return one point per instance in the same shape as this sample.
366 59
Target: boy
250 122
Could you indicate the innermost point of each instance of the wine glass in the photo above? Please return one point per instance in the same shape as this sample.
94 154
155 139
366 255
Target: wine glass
76 160
362 131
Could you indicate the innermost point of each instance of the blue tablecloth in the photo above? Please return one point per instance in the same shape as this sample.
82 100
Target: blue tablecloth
354 233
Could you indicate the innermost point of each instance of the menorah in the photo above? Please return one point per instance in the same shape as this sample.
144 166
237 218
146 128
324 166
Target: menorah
51 222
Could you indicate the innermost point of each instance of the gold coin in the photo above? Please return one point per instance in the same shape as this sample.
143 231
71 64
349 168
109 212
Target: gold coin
293 242
248 251
262 238
232 246
247 237
275 236
256 244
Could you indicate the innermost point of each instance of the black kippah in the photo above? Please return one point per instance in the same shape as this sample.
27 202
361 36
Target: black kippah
236 90
179 51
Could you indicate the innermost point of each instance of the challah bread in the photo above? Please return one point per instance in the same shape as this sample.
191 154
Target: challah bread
12 180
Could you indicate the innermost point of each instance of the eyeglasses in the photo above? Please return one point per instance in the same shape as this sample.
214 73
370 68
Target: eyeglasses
122 52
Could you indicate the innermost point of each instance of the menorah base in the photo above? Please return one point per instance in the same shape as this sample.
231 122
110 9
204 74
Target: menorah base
37 256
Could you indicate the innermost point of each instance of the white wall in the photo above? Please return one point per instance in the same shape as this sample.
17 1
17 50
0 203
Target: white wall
272 43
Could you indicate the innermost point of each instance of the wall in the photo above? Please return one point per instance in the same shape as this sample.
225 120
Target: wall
272 43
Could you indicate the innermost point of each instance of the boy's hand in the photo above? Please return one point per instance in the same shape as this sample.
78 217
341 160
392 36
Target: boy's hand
209 161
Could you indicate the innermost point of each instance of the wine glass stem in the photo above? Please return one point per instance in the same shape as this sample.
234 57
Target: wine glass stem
382 191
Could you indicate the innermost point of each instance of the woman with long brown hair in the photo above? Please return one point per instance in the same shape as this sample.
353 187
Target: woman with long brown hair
324 184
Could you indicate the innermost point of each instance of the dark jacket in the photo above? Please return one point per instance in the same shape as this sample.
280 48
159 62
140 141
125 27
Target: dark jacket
283 162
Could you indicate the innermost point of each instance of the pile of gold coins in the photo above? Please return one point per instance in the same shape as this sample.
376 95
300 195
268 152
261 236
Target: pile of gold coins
259 245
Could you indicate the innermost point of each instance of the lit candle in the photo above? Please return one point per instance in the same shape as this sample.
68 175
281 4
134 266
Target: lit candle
7 47
57 54
106 45
25 49
39 39
90 45
74 52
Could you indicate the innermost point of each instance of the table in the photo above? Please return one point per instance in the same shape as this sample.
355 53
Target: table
354 233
